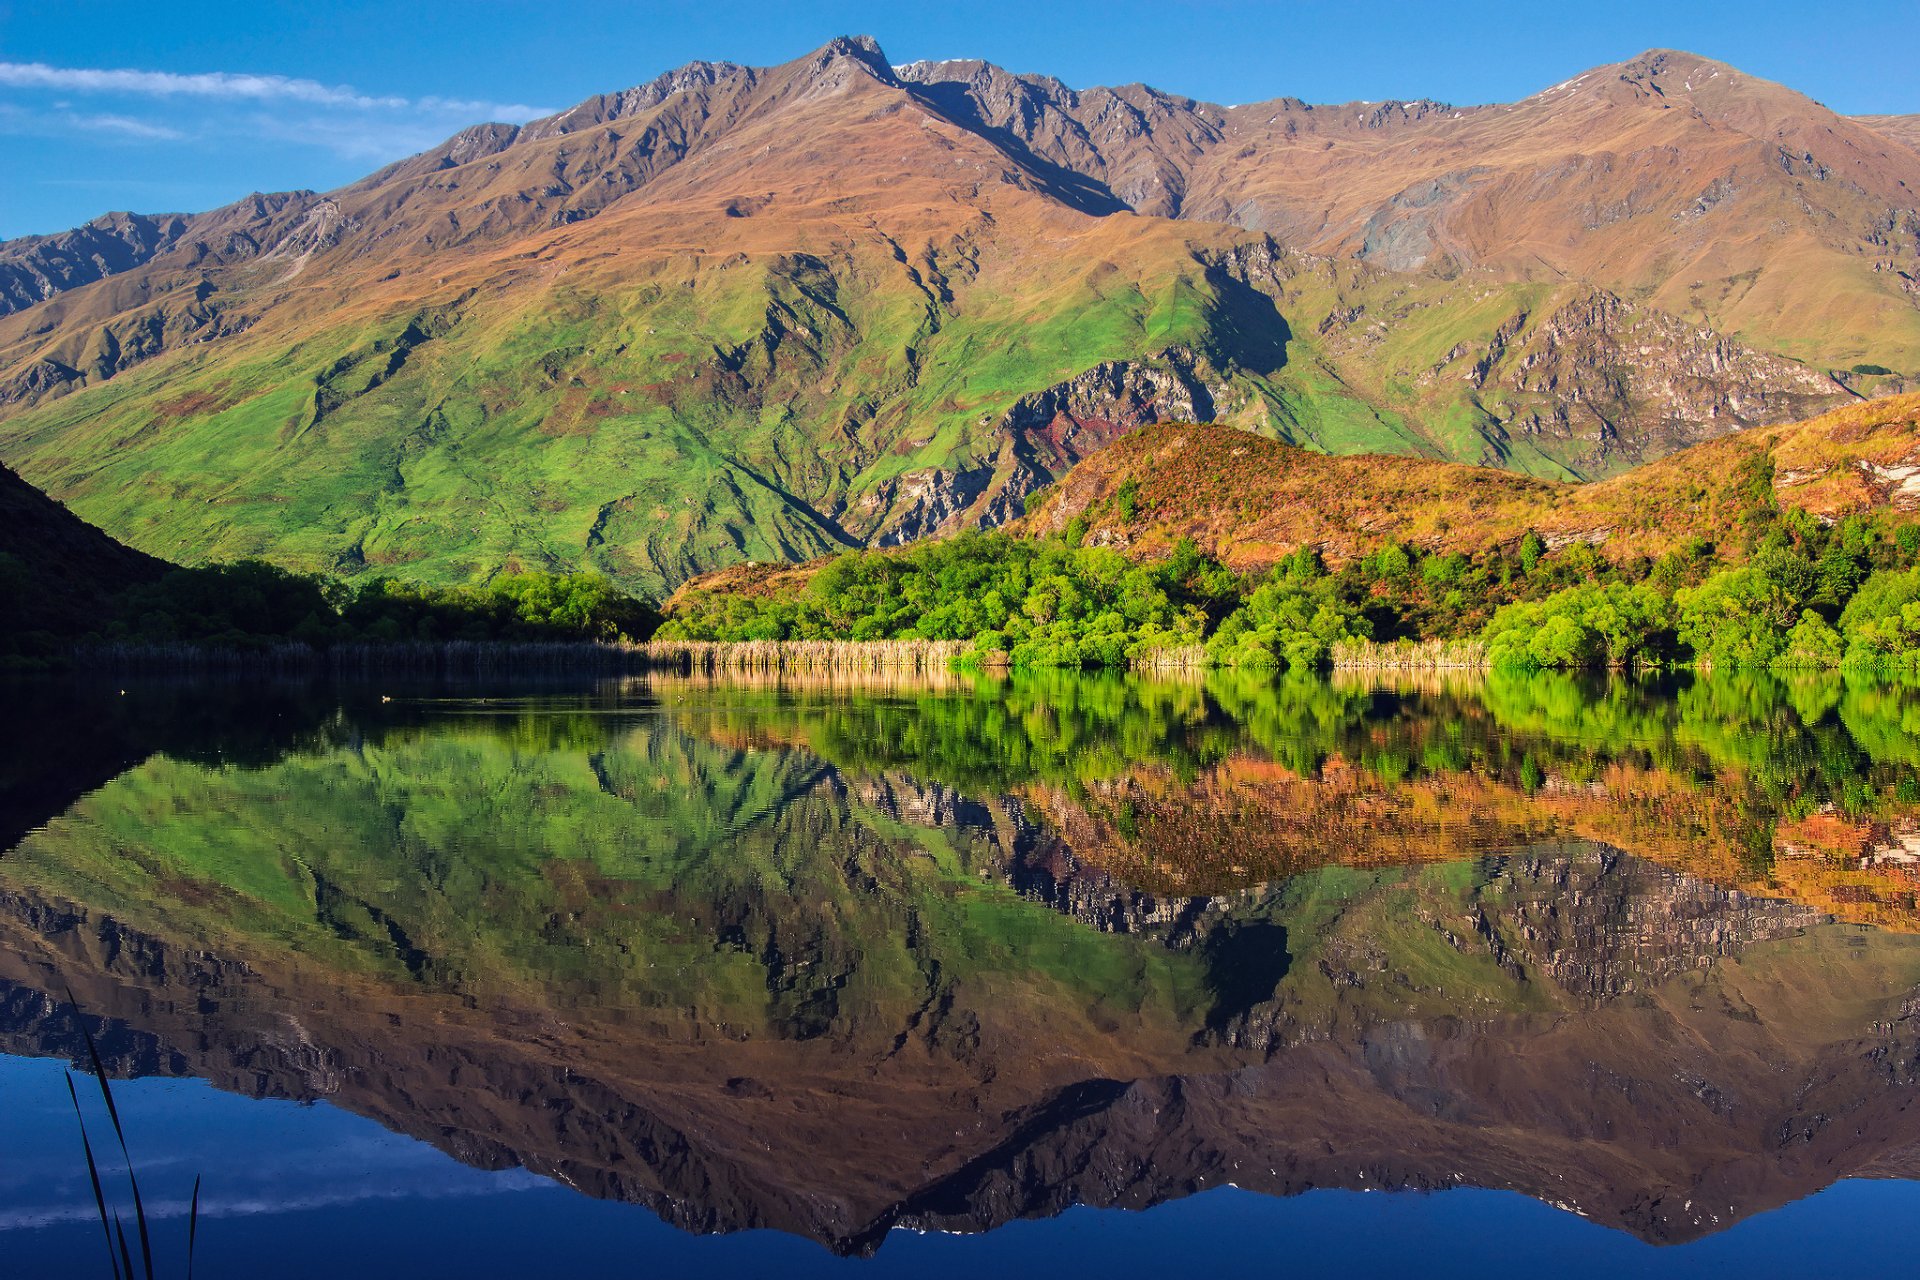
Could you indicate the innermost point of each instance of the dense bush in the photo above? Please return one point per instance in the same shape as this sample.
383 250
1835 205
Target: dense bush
1595 625
1043 603
231 603
524 606
1740 617
1881 624
1292 620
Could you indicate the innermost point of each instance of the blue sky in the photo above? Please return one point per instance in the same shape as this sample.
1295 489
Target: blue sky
184 106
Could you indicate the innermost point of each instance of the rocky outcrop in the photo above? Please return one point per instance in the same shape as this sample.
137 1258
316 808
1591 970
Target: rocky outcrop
35 268
1042 435
1124 148
1625 383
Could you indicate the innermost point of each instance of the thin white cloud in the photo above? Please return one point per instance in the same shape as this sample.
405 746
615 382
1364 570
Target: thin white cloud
168 84
124 126
231 86
60 122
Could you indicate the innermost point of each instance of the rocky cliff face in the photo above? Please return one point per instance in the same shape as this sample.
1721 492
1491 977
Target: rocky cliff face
1618 381
1042 435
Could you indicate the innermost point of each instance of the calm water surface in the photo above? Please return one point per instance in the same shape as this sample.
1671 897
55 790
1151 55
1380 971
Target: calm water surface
671 977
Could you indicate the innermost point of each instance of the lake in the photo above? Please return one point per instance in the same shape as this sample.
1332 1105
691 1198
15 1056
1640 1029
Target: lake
671 976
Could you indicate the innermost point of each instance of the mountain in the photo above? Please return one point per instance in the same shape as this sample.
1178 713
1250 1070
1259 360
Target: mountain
1672 179
760 314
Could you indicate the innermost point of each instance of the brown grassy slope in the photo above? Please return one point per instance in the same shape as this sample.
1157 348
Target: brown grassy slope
1903 129
1682 182
1252 501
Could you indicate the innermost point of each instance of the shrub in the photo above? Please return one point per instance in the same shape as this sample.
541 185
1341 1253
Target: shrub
1812 643
1741 617
1881 624
1592 625
1286 623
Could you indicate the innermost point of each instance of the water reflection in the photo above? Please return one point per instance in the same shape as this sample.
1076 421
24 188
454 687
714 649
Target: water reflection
835 960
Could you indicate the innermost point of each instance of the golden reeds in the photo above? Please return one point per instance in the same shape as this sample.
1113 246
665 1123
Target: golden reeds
1410 655
1185 657
707 657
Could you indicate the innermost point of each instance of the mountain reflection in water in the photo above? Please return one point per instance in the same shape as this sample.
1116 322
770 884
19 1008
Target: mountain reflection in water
837 960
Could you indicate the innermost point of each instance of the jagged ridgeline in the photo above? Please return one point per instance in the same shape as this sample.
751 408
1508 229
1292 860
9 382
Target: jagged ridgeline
834 966
761 314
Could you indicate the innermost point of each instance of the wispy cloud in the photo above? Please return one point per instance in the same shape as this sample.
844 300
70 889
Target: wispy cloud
238 86
168 84
60 121
223 106
124 126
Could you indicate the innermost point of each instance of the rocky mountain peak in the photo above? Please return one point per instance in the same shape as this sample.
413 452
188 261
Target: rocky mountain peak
863 51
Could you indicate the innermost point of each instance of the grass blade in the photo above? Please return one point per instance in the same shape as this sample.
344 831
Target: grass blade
193 1225
124 1255
113 1114
93 1173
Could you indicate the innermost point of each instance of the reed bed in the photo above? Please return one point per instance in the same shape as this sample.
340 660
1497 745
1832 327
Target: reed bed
1424 680
812 680
689 657
1410 655
1185 657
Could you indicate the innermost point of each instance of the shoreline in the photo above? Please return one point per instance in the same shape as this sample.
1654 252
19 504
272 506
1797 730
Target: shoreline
713 658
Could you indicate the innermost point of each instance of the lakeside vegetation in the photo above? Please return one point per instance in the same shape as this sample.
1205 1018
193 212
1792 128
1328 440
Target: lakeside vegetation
1786 590
1791 591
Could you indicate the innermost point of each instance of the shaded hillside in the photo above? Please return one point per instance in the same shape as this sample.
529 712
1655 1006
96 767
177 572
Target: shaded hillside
57 572
764 313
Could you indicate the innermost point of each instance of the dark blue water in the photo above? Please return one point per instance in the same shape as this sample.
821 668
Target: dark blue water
1119 977
311 1191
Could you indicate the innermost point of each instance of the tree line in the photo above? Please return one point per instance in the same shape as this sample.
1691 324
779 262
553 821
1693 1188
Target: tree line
251 604
1792 591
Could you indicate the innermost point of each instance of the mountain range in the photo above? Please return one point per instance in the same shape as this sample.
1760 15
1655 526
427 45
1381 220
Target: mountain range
765 313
